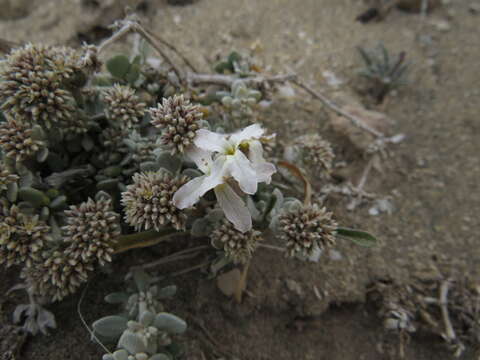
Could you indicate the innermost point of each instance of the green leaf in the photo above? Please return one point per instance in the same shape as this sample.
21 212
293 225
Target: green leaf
359 237
234 57
116 298
133 74
141 279
118 66
223 67
110 326
33 196
170 323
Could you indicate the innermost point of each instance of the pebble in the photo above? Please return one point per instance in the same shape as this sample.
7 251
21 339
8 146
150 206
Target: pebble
474 8
442 25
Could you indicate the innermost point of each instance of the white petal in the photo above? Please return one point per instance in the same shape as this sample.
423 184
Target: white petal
234 208
255 151
210 141
264 171
254 131
241 169
191 192
202 158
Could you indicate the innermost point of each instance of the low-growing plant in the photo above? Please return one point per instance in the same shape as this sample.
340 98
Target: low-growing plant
95 163
384 72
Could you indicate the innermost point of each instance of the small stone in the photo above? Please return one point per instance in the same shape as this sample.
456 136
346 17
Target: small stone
442 25
294 287
474 8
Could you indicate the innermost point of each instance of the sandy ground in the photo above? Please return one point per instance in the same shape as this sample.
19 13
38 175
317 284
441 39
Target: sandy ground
432 177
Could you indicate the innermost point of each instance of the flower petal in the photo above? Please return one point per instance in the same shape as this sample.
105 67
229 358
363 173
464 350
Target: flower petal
241 169
264 169
201 158
191 192
255 151
254 131
210 141
234 208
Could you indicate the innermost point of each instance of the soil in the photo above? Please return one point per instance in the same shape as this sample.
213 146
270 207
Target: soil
295 310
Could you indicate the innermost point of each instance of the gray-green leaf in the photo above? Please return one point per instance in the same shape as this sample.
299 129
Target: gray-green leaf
110 326
359 237
118 66
170 323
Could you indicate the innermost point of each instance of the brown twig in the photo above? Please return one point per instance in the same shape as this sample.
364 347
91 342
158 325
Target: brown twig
272 247
175 50
151 40
227 80
180 255
134 26
443 303
330 104
181 272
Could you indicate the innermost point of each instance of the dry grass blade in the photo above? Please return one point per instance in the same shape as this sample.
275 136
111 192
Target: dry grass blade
307 187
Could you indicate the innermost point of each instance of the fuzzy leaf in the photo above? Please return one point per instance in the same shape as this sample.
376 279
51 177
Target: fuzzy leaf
132 343
12 192
34 197
169 162
359 237
133 74
110 326
120 355
107 184
142 279
59 202
45 320
201 227
42 155
118 66
167 292
87 143
19 312
170 323
116 298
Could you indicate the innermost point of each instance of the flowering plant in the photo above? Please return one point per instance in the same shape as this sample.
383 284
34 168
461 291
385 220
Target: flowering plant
94 164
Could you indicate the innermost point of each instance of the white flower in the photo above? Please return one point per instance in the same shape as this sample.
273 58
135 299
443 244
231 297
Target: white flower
248 171
221 157
215 178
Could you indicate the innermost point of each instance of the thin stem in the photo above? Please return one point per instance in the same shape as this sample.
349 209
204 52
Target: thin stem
175 50
151 40
115 37
227 80
143 239
365 173
181 272
272 247
443 301
82 319
180 255
326 101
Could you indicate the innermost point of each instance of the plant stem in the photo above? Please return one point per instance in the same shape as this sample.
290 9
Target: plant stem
143 239
180 255
272 247
326 101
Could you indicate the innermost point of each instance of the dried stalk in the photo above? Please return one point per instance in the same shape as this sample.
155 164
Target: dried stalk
330 104
228 80
443 303
134 26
